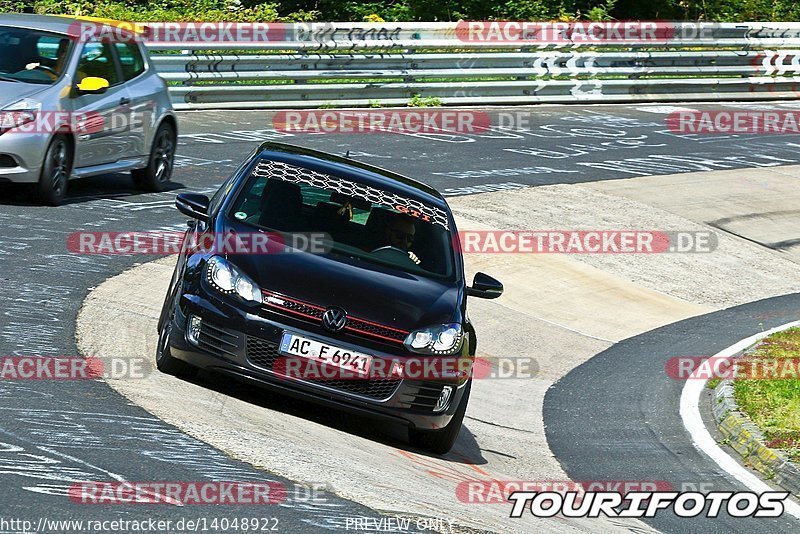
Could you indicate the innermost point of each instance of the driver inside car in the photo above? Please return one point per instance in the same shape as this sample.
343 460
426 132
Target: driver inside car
57 65
399 233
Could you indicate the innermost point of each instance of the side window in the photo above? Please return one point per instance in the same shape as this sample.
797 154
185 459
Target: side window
131 60
97 61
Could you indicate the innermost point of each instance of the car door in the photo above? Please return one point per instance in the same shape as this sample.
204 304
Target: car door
108 138
142 91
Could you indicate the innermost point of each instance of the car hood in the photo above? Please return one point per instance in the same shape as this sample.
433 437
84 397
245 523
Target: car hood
365 290
10 92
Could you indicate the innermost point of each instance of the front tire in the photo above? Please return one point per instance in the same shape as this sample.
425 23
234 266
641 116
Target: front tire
156 176
56 170
165 361
442 440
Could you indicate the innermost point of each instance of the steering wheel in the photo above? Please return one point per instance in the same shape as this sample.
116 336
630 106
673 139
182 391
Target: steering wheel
394 254
47 69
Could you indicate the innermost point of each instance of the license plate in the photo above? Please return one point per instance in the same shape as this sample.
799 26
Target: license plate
295 345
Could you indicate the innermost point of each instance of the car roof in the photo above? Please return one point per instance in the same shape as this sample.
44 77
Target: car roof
351 169
49 23
62 24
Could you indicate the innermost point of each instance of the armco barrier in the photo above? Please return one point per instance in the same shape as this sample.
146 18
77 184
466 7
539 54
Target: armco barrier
347 64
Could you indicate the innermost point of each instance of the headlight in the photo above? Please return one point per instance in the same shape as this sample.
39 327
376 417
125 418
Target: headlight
19 113
227 278
440 339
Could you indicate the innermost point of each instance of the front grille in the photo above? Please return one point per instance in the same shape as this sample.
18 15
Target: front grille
372 329
313 313
282 303
374 389
218 340
264 354
424 398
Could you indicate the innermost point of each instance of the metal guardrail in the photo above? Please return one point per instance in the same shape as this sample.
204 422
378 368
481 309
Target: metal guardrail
344 64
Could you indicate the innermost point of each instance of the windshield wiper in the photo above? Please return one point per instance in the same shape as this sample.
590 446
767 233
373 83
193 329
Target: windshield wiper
7 79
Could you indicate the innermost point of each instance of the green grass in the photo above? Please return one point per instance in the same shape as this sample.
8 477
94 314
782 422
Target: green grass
418 101
774 404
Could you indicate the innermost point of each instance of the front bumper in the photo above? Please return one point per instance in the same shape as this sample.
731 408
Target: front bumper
21 156
239 343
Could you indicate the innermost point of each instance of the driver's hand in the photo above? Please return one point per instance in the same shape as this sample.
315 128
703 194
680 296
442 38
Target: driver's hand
31 66
413 257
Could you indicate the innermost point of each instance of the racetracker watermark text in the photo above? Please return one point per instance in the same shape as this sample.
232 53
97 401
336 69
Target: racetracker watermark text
726 368
49 122
236 33
182 493
734 122
580 32
71 368
470 242
167 243
336 366
381 121
587 241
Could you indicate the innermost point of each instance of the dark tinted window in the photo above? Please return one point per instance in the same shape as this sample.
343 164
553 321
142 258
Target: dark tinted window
97 62
130 59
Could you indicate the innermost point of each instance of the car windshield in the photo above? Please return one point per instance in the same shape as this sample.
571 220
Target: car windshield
363 222
32 56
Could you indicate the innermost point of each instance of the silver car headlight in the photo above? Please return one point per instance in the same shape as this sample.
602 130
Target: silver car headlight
443 339
18 114
228 279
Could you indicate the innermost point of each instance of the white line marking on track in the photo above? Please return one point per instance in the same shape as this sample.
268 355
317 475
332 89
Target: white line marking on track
115 476
690 413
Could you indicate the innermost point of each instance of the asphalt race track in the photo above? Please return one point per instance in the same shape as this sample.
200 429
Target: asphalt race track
615 417
555 145
53 434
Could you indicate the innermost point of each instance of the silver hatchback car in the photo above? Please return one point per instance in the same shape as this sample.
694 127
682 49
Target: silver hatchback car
74 105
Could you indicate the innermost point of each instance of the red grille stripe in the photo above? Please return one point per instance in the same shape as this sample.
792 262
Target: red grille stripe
284 297
373 334
283 308
404 332
353 326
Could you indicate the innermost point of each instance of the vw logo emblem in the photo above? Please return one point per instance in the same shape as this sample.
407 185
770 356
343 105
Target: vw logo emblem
334 319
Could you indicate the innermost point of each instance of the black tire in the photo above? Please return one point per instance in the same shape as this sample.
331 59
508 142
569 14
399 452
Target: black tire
156 176
165 362
442 440
56 170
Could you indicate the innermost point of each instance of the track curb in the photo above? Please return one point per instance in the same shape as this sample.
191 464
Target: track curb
748 441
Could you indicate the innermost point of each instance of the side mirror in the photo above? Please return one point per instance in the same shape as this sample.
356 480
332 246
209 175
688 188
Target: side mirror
193 205
485 287
92 86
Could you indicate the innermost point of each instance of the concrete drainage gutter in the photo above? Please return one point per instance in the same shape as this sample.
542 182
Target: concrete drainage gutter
747 440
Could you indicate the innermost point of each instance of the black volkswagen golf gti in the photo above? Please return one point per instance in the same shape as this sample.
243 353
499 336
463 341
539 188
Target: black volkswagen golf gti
373 318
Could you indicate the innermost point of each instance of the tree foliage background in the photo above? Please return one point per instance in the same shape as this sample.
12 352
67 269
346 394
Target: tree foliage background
416 10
